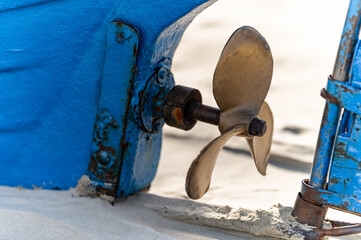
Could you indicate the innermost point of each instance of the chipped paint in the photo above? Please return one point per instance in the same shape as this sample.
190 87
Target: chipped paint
348 41
344 95
336 171
330 119
345 170
109 142
331 199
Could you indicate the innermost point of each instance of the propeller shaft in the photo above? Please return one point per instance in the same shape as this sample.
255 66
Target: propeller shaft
211 115
203 113
183 107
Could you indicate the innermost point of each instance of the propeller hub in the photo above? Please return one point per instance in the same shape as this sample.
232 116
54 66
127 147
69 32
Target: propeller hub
257 127
175 105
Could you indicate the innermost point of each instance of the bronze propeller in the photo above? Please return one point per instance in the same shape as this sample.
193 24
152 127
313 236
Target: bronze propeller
241 82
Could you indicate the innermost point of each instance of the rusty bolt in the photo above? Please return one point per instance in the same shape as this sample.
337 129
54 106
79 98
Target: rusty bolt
103 157
257 127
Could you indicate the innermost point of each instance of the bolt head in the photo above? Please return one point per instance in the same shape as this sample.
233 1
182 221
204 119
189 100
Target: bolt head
157 125
257 127
103 157
163 74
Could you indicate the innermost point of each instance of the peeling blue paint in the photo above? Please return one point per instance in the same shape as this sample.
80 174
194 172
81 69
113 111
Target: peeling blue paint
347 96
332 111
336 173
345 170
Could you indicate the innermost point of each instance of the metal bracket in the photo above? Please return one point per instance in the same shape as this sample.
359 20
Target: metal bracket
344 95
330 199
109 141
151 100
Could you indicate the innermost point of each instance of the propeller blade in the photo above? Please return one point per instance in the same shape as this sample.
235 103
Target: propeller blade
261 146
244 72
200 172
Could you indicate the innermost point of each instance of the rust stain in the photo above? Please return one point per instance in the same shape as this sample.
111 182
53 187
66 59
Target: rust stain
349 39
141 95
307 212
323 123
345 89
93 164
341 151
119 23
119 37
334 180
124 144
354 21
135 50
329 97
345 204
177 115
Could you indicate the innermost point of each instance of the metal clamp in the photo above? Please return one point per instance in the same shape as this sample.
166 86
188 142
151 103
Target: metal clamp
330 199
311 208
342 94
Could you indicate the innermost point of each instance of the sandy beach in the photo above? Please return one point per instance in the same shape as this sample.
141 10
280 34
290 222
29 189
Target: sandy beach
304 38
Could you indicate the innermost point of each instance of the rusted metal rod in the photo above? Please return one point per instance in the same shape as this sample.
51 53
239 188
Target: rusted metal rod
341 231
319 233
339 223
